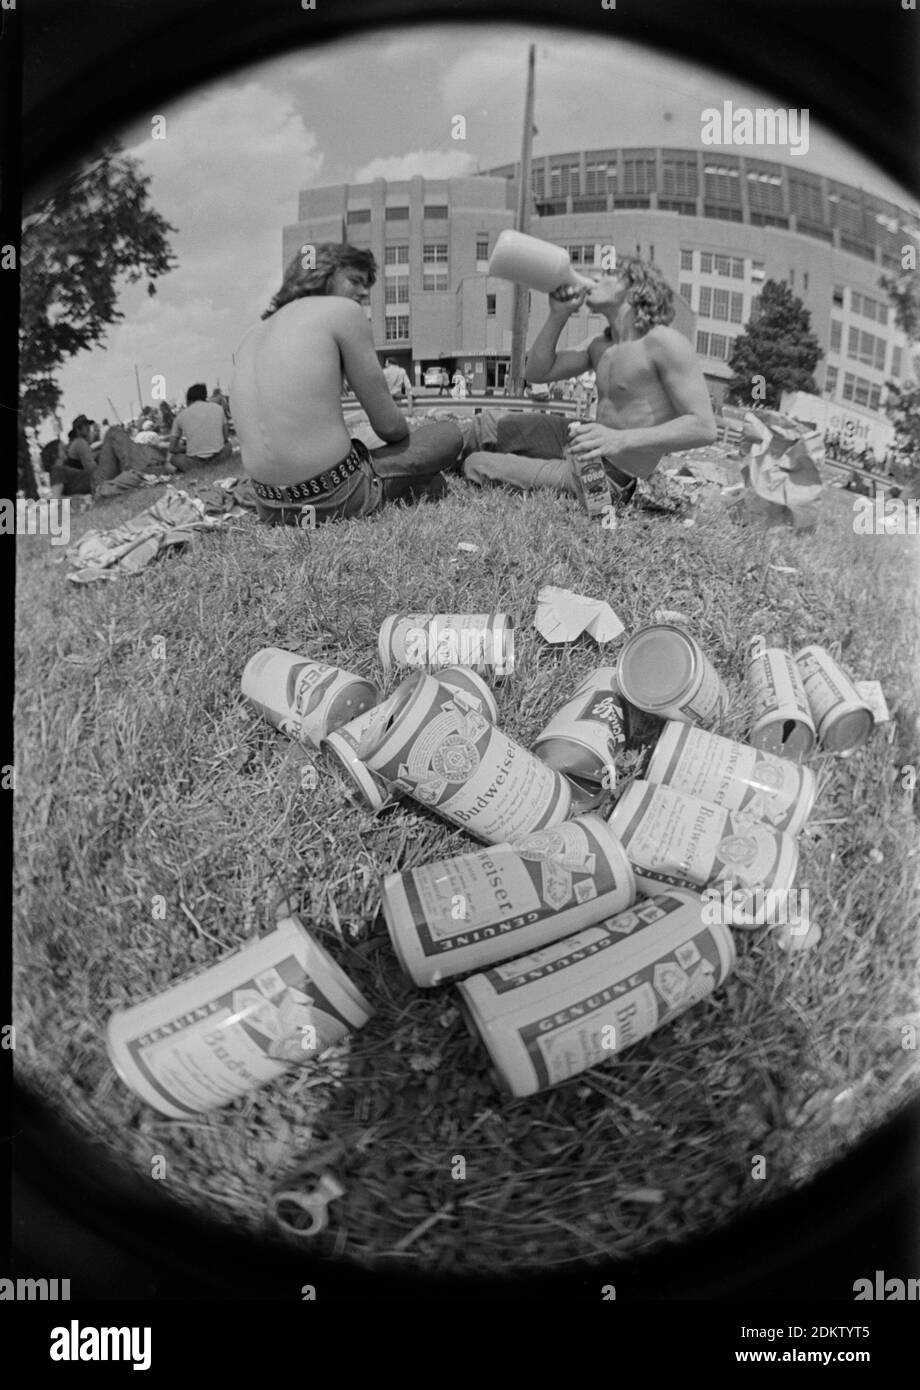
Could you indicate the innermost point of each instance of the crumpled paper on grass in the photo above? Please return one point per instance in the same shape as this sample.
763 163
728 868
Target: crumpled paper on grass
784 479
563 615
132 546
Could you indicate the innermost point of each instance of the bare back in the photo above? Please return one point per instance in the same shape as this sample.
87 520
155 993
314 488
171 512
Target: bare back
287 385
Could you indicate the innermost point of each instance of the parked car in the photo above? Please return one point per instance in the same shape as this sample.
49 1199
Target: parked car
432 376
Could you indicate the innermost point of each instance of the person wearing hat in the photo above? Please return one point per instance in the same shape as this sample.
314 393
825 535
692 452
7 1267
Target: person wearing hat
73 476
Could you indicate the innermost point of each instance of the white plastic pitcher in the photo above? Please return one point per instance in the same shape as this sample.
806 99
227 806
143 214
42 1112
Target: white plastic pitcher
537 264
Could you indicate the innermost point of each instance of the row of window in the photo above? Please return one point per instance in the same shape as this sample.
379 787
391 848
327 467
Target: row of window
868 308
434 212
720 305
433 253
866 348
715 345
715 263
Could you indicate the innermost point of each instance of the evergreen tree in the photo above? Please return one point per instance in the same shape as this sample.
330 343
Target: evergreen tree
89 235
778 347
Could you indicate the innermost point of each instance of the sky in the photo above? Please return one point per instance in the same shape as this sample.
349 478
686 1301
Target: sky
237 152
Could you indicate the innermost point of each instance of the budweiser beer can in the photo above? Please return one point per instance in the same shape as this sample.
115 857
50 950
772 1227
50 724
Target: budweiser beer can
373 790
734 775
304 699
583 738
464 913
452 760
222 1032
664 671
782 722
549 1016
482 641
678 841
844 720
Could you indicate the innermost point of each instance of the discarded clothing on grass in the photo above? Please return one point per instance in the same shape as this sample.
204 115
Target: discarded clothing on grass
130 548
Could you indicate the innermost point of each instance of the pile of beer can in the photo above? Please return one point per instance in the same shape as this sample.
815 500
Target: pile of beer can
578 933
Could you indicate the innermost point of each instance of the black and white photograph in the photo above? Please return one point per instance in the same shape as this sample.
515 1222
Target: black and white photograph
464 627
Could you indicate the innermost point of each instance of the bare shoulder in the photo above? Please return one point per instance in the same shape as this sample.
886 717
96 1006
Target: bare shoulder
665 344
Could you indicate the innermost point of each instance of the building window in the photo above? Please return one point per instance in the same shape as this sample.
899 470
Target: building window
482 248
805 197
838 296
758 271
583 255
397 214
737 268
875 396
836 334
705 305
723 265
357 215
436 212
563 180
720 305
861 394
596 178
706 262
896 363
737 309
805 281
396 290
435 280
639 175
686 258
830 381
490 306
881 313
755 308
722 183
686 292
849 382
396 327
396 255
679 177
702 344
719 346
435 253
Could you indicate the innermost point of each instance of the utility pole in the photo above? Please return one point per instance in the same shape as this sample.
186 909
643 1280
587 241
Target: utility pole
140 398
522 222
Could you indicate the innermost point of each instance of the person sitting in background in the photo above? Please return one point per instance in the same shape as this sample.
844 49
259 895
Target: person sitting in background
287 405
72 477
148 433
397 380
25 473
204 426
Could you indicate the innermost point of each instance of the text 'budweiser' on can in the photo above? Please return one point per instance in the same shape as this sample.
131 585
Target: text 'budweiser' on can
452 760
583 737
549 1016
674 840
463 913
482 641
220 1032
304 699
844 720
664 671
734 775
469 690
781 722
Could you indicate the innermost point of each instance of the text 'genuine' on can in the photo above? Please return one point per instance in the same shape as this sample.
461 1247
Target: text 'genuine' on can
665 672
452 760
734 775
304 699
844 720
781 719
369 787
226 1030
678 841
464 913
482 641
549 1016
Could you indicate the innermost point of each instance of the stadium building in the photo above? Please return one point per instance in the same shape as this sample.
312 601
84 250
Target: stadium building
718 225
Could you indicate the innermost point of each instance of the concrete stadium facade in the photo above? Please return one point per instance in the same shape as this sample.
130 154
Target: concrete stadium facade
718 226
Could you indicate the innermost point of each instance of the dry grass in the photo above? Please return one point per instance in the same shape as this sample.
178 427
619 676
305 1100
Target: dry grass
138 776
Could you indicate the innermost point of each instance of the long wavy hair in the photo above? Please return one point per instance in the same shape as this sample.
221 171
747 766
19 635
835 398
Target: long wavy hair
300 283
649 296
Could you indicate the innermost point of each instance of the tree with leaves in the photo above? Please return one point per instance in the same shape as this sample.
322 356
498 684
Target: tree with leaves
90 235
902 405
777 352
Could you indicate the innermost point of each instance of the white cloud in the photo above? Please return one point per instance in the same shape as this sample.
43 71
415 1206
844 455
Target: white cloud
431 164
